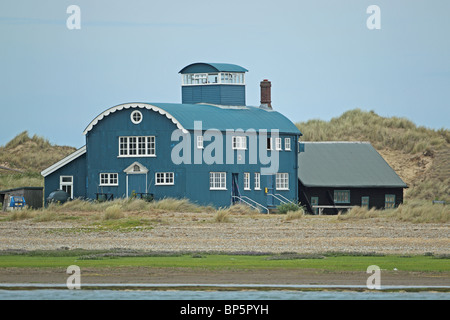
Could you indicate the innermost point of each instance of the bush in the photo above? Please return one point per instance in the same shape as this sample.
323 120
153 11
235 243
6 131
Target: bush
222 215
286 207
113 212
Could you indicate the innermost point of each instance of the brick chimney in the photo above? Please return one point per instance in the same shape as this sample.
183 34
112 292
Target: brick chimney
266 101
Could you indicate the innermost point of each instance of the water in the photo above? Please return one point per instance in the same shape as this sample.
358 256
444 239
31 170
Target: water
43 293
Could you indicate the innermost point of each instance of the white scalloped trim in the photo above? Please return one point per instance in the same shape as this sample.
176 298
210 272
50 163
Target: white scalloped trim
133 106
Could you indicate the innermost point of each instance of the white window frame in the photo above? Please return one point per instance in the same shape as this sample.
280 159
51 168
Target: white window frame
282 181
239 143
137 146
287 144
108 179
136 112
257 181
199 142
217 181
229 78
278 145
247 181
164 178
64 184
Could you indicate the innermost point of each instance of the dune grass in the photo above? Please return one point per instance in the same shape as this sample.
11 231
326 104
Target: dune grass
413 211
384 133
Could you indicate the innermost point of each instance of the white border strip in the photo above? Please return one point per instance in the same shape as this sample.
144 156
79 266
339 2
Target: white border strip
64 161
133 106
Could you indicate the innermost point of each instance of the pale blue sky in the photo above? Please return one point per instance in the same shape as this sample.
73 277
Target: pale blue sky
319 54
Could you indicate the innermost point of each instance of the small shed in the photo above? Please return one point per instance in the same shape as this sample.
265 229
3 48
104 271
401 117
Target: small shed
336 176
33 196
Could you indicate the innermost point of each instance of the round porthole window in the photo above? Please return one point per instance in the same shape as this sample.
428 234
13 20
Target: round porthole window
136 117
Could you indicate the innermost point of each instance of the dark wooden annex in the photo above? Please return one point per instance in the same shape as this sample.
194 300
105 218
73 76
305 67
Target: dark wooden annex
335 176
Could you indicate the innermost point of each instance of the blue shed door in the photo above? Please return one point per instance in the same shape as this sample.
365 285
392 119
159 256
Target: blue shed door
136 183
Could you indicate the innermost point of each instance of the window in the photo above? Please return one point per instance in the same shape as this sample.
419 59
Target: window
365 202
213 78
239 143
66 184
246 181
278 144
136 117
217 181
341 196
136 146
109 179
199 142
282 181
269 143
389 201
315 202
287 144
257 181
164 178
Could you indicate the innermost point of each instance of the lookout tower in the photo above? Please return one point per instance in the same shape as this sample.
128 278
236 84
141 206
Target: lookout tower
215 83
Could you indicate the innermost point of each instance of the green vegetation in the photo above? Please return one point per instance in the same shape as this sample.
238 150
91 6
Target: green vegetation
414 211
384 133
120 214
331 261
26 157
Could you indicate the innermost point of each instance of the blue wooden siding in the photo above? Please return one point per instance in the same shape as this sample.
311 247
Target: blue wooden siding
75 168
190 180
224 94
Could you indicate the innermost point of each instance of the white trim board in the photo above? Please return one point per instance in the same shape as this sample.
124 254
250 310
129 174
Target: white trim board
64 161
133 106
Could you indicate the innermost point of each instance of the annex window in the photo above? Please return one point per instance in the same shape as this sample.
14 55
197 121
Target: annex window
341 196
199 142
287 144
164 178
278 144
389 201
137 146
257 181
239 142
217 180
246 181
109 179
365 202
66 185
315 202
136 117
282 181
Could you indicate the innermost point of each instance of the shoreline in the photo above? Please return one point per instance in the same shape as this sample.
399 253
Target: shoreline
196 232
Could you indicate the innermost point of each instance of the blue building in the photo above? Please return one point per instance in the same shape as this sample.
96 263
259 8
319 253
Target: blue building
211 148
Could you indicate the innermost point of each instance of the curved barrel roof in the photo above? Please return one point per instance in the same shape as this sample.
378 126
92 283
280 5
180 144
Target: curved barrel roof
212 117
203 67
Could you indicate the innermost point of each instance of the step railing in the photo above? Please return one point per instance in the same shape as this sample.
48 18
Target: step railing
250 202
286 199
282 199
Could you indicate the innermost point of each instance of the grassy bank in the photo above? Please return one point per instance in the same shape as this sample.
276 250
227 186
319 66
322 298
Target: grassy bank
329 261
130 213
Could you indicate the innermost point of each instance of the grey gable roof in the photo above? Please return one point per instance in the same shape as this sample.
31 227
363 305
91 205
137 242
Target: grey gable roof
345 164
